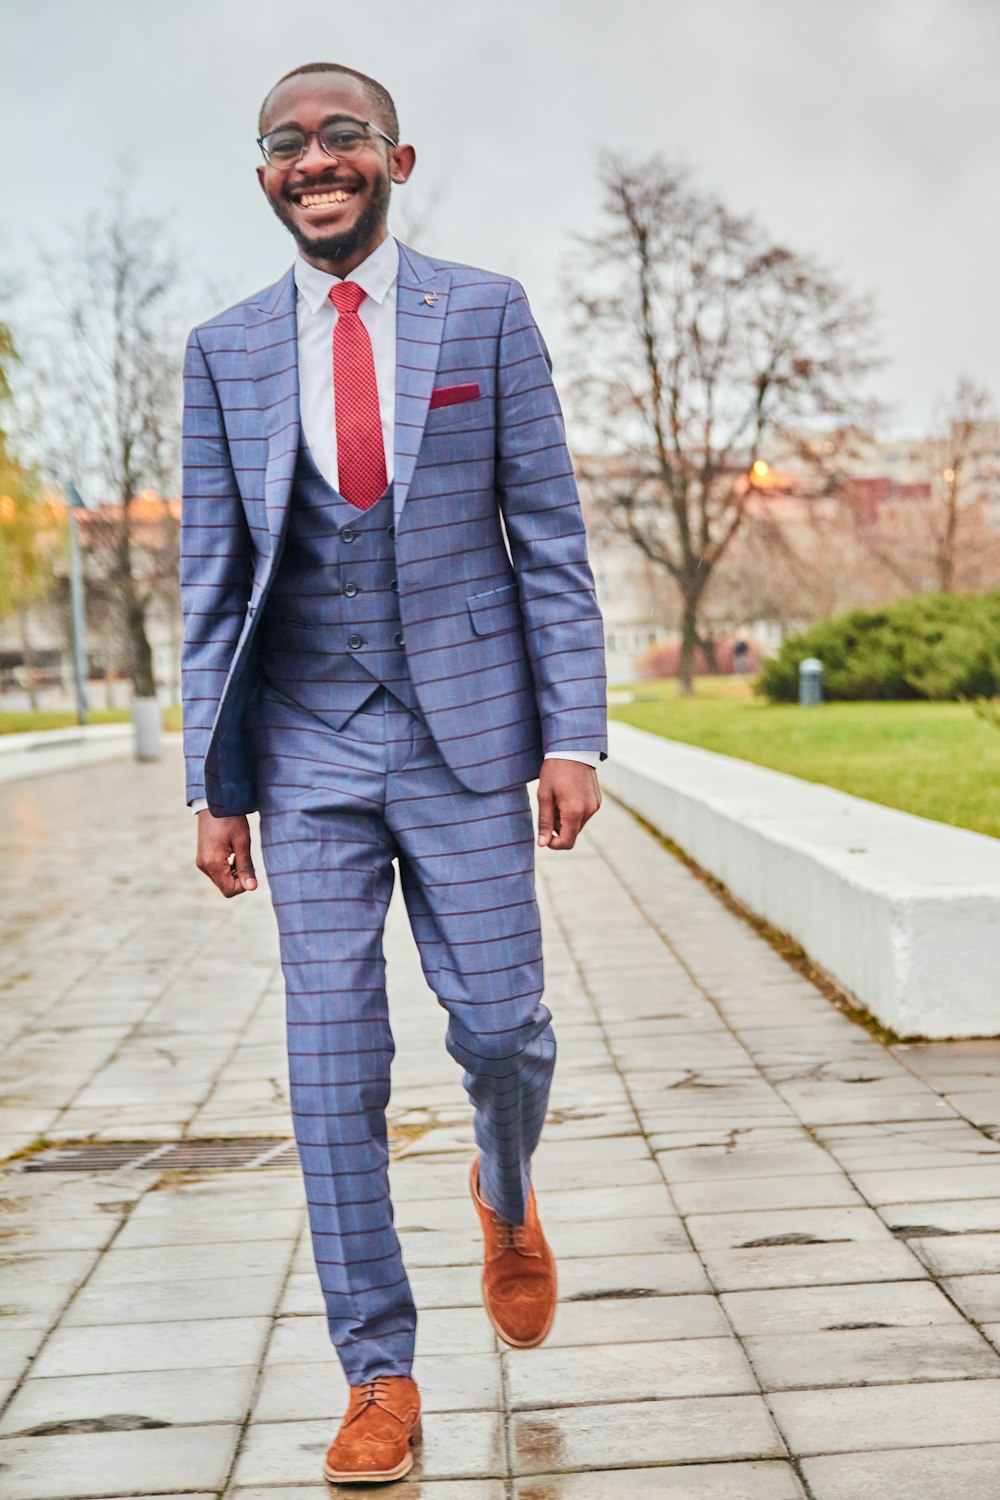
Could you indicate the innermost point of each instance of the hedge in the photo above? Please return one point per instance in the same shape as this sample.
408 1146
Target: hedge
933 646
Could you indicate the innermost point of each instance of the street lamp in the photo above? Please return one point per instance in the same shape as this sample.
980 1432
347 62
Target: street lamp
75 502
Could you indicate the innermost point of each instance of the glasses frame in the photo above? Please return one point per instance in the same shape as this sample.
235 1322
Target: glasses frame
314 135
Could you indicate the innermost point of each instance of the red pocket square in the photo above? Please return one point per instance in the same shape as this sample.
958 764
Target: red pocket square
450 395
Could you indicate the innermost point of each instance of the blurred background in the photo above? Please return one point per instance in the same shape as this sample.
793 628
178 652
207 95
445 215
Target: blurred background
760 239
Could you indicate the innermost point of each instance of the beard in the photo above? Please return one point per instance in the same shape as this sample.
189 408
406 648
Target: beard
339 246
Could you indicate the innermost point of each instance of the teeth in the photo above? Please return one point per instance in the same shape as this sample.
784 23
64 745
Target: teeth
320 200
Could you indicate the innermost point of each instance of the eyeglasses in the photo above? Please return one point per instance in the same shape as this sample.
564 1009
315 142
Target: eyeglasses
287 144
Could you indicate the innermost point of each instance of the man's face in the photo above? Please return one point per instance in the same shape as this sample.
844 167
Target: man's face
336 209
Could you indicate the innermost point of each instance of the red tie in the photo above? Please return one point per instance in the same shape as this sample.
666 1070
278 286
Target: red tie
360 447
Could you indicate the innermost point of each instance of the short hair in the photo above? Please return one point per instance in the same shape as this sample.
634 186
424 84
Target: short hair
377 92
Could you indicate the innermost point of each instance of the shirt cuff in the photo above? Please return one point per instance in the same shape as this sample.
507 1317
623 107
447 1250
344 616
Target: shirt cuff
198 805
585 757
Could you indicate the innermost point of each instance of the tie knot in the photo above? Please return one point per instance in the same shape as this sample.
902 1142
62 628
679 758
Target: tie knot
347 296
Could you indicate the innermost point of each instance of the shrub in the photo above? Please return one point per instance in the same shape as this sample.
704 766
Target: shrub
934 646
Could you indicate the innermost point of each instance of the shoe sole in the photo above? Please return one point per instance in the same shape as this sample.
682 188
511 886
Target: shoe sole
384 1476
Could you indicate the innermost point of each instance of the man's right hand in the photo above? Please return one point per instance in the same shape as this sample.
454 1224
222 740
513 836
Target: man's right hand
224 853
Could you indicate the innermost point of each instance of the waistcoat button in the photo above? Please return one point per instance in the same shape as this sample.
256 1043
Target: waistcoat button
394 585
355 642
392 531
350 589
347 535
398 638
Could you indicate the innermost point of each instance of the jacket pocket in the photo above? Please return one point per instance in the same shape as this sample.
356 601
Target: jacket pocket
496 610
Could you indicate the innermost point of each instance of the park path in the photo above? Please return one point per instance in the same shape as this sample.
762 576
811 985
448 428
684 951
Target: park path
779 1241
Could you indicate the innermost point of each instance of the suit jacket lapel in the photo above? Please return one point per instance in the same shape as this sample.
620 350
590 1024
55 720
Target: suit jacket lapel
421 308
272 345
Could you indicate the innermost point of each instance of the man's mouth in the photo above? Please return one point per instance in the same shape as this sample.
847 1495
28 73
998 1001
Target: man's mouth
328 198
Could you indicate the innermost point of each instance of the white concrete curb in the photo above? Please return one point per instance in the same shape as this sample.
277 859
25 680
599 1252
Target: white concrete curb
902 912
43 751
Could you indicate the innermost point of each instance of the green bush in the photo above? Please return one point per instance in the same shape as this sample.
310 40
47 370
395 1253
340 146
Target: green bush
933 646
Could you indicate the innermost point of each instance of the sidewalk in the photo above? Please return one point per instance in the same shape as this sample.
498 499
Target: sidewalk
779 1241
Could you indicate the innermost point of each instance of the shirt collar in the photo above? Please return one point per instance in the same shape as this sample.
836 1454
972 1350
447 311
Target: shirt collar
376 275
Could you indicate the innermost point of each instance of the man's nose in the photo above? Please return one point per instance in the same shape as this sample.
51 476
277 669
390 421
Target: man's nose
314 158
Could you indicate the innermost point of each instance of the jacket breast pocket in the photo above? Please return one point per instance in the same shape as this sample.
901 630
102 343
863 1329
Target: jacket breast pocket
495 610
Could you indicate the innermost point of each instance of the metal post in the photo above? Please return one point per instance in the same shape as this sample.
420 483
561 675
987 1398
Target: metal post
810 682
76 503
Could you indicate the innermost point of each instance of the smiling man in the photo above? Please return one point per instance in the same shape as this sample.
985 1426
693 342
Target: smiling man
390 629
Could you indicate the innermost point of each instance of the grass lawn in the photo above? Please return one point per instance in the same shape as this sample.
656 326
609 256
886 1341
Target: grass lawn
26 723
934 759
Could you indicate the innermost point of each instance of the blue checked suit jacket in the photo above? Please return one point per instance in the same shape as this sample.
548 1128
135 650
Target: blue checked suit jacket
504 642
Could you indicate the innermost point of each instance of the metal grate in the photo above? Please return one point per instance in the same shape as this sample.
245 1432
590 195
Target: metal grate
248 1153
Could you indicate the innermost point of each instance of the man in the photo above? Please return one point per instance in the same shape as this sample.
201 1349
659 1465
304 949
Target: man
390 628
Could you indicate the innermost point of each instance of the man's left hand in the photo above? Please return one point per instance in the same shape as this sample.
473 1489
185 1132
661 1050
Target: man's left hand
569 794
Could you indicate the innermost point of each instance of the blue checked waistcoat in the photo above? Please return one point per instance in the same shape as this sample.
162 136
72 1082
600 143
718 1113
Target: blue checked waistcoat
503 637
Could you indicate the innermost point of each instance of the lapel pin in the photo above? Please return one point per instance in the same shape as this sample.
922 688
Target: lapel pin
430 298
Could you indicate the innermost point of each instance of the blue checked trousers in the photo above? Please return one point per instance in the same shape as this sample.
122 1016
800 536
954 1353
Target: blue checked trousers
337 808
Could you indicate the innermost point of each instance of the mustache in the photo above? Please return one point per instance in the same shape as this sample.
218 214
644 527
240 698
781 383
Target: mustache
319 184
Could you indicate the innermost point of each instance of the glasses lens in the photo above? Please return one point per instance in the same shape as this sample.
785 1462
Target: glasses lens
284 145
342 140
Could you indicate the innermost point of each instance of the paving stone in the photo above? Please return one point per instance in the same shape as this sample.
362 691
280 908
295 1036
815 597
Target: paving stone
923 1415
626 1276
637 1433
467 1445
886 1304
818 1190
969 1471
629 1372
958 1254
977 1296
145 1302
952 1217
744 1230
930 1184
862 1356
178 1263
176 1397
153 1346
713 1481
790 1265
796 1157
117 1463
649 1318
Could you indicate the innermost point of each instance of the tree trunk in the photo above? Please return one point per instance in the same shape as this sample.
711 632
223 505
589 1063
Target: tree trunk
143 680
27 653
689 642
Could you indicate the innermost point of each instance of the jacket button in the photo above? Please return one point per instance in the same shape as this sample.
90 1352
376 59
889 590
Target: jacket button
394 585
398 637
355 642
347 535
350 589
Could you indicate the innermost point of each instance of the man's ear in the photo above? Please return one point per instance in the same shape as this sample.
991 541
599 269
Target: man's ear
402 160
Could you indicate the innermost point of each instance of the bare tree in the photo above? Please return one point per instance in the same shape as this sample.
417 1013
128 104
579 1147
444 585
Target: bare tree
111 403
934 532
699 343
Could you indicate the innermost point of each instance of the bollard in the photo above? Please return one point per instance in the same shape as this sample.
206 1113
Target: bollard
810 682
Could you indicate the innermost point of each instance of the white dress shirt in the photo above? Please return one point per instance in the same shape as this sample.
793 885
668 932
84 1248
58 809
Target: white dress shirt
316 318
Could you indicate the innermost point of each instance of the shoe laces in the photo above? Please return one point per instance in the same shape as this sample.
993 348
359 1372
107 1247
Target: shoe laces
511 1237
372 1393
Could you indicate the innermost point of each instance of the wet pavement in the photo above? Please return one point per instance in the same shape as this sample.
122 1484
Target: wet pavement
779 1240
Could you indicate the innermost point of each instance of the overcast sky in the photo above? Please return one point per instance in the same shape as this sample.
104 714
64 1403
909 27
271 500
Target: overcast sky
864 131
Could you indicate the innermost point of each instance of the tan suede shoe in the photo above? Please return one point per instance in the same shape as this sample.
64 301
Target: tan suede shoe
381 1427
519 1273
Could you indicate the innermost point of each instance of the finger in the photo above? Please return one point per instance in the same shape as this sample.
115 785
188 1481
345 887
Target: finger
569 826
243 864
546 818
